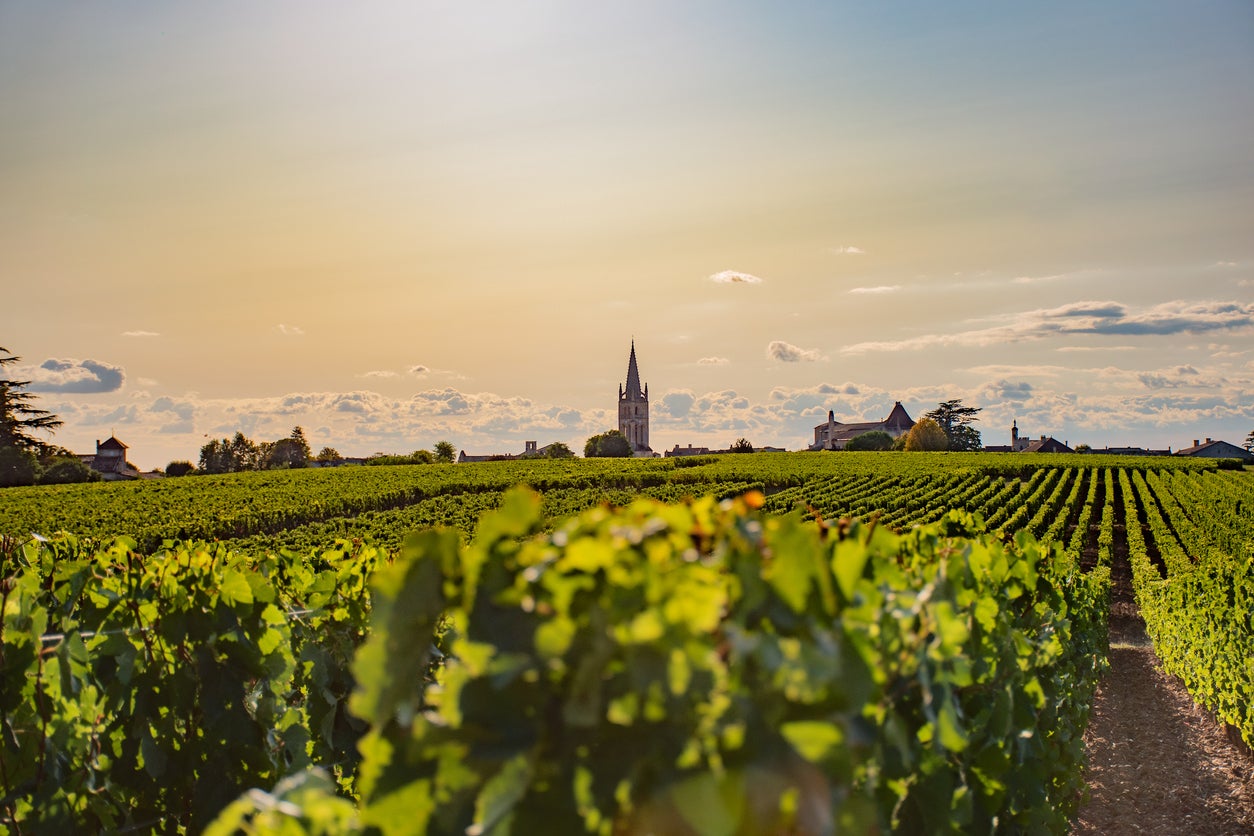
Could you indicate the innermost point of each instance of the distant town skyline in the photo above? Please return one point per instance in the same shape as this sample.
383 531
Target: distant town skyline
407 222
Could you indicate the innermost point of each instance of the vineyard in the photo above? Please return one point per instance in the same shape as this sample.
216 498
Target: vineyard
733 644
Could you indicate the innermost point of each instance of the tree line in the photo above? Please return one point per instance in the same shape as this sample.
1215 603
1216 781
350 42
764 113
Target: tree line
240 453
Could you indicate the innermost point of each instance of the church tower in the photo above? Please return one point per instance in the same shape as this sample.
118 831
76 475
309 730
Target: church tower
633 409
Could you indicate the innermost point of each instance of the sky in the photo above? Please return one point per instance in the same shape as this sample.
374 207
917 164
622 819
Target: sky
398 223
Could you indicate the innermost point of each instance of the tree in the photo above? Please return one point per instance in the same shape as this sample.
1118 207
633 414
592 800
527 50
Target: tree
1249 442
229 455
301 447
926 435
17 467
328 455
873 440
18 417
955 421
289 452
558 450
179 468
1083 448
67 470
445 452
609 444
742 445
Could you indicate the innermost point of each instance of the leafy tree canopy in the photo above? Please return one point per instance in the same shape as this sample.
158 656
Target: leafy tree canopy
742 445
179 468
558 450
926 435
445 452
19 418
955 421
230 455
328 455
1249 441
609 444
67 470
874 440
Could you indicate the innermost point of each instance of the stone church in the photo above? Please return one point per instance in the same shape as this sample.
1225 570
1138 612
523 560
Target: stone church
633 410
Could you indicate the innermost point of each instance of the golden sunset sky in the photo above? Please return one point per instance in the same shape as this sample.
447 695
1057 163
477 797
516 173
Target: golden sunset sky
395 223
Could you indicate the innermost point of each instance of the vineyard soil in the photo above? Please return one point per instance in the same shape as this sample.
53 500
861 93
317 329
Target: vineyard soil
1158 764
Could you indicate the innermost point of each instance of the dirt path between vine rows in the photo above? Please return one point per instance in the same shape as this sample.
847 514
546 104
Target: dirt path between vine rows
1157 763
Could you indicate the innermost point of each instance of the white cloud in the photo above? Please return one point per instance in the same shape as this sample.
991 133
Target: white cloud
734 277
140 334
380 374
789 353
848 251
1080 348
1101 318
290 330
1040 279
76 376
877 290
713 361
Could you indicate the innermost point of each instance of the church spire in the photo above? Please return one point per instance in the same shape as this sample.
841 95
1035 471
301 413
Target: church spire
633 392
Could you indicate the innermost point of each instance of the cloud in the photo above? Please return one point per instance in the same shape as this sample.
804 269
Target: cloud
290 330
379 374
76 376
443 401
1004 390
848 251
713 361
1040 279
418 370
733 277
1101 318
678 404
1176 378
125 414
1078 348
140 334
789 353
359 403
878 289
184 412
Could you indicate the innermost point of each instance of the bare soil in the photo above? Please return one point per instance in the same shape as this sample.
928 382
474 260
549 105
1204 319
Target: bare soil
1158 764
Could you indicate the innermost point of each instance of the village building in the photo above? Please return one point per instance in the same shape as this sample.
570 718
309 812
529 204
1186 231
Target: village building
1024 444
1047 444
1215 449
530 451
833 435
633 410
689 450
109 461
1129 451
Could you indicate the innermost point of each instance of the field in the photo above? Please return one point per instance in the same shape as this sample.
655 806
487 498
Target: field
938 655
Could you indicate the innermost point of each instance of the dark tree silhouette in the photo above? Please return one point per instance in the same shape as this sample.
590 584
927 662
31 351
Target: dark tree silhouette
19 418
956 419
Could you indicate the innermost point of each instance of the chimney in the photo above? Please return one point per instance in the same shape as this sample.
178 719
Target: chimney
1208 441
1196 443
